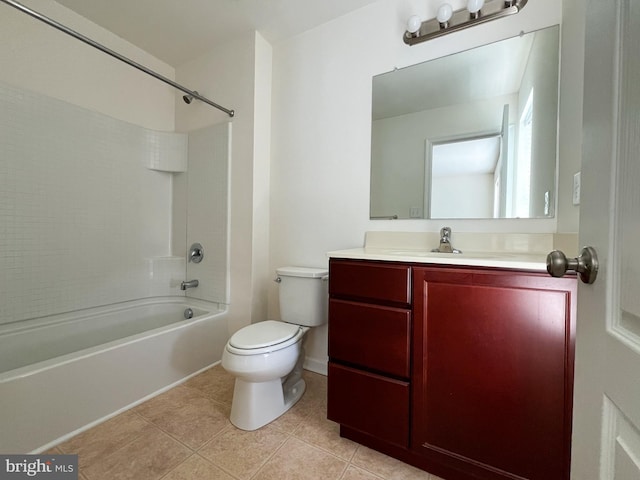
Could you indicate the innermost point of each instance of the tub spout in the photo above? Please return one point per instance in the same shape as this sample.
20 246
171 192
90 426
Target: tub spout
189 284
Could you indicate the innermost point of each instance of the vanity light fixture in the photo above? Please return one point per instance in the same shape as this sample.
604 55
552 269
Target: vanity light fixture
475 7
448 20
445 12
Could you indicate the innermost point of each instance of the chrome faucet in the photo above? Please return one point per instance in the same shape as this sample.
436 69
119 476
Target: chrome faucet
189 284
445 242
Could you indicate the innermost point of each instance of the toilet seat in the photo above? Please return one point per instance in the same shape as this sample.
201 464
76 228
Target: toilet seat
264 337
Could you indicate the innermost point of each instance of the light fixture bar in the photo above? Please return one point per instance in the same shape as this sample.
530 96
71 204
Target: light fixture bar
462 19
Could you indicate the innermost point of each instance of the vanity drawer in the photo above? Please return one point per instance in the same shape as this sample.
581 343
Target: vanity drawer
369 403
372 336
378 282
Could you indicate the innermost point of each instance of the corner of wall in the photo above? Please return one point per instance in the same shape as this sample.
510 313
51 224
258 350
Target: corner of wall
261 177
570 115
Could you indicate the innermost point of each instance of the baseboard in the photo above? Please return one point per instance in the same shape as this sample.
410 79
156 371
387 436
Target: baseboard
316 366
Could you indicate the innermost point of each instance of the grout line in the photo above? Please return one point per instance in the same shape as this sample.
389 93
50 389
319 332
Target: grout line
224 430
181 463
324 450
271 456
231 474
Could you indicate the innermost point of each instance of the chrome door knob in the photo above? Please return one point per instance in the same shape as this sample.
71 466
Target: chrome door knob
586 265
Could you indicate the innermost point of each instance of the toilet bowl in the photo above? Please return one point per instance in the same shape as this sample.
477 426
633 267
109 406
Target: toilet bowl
267 357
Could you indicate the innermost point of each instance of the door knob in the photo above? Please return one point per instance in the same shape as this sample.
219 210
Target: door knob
586 264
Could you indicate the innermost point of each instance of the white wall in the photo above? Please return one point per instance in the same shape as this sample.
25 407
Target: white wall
321 130
570 127
207 179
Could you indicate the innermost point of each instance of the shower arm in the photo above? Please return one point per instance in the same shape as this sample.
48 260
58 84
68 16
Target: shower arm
114 54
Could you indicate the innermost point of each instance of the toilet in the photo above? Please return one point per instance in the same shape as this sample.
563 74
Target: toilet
266 357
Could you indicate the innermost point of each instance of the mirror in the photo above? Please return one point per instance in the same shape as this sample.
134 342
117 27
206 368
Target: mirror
470 135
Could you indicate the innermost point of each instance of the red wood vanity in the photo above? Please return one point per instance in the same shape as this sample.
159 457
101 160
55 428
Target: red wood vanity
465 372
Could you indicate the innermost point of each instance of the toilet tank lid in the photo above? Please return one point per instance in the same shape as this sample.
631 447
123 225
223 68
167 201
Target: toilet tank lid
308 272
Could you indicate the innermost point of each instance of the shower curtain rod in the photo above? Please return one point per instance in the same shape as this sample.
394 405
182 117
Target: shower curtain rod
114 54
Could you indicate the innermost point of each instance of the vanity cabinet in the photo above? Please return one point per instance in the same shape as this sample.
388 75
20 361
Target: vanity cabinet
468 375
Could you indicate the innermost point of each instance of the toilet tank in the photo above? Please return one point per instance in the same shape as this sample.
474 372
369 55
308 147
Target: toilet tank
303 295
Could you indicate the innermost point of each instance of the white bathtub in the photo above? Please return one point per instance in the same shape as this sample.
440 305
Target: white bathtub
64 373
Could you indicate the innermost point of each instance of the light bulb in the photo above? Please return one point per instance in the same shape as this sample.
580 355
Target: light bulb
474 6
445 13
413 24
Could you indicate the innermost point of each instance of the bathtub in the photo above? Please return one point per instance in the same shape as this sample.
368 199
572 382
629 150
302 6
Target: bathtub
62 374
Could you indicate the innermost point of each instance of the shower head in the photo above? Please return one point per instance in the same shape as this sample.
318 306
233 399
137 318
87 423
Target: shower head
189 98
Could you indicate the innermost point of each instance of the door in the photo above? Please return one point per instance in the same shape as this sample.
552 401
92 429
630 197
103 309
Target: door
606 426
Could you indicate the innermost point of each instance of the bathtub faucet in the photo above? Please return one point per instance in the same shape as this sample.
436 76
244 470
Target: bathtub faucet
189 284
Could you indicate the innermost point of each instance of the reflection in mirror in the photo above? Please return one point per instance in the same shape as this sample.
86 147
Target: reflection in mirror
471 135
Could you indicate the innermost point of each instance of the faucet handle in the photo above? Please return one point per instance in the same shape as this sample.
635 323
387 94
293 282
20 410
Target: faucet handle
445 232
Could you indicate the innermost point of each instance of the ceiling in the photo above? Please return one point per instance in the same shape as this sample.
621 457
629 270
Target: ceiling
176 31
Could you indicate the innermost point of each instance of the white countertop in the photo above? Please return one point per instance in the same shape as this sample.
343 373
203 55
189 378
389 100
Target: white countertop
511 260
498 250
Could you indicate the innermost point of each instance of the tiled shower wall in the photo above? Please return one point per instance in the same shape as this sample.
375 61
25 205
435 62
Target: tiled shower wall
84 221
207 206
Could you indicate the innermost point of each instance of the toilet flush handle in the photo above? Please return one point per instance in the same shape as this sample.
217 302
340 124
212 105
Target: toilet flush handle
277 280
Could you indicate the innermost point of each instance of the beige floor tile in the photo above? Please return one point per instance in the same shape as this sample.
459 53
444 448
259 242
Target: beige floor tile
148 457
323 433
157 440
216 383
316 384
385 466
105 438
296 460
187 415
197 468
315 397
293 417
176 396
243 453
355 473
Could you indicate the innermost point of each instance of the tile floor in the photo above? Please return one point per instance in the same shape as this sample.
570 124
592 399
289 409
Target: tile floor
185 434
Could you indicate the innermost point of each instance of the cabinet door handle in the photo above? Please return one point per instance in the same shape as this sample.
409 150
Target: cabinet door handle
586 265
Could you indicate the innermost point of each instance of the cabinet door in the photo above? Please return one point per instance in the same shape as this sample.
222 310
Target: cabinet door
370 403
493 371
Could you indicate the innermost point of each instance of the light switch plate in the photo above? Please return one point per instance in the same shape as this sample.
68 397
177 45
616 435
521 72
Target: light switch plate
576 189
546 202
